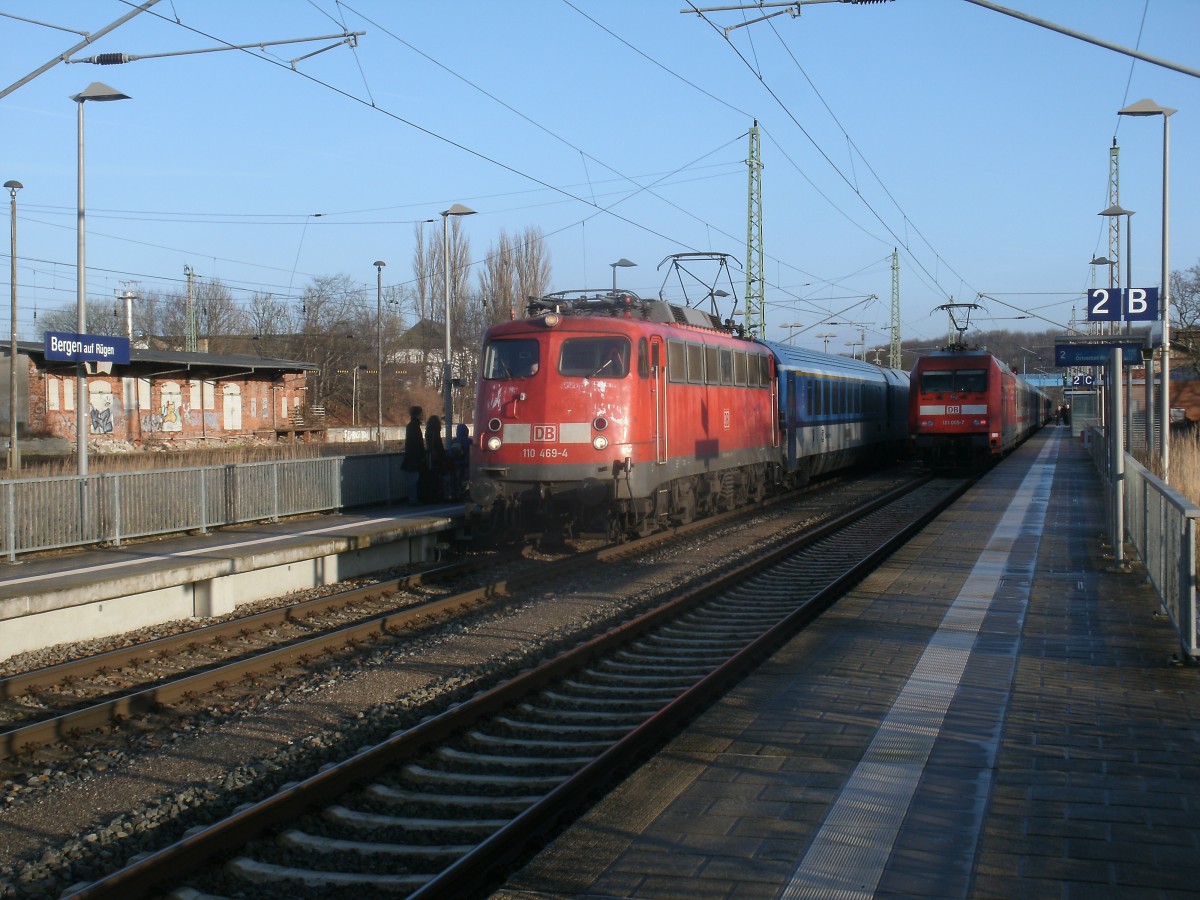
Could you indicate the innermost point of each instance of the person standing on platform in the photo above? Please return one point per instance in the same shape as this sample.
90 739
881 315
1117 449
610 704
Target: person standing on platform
460 460
414 462
434 491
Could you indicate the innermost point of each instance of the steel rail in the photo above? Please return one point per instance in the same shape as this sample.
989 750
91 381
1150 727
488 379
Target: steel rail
474 870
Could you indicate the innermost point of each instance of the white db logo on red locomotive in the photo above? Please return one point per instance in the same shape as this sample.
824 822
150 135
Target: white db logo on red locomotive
954 410
545 434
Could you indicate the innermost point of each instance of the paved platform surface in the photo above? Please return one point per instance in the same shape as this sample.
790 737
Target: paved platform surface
84 594
994 713
175 559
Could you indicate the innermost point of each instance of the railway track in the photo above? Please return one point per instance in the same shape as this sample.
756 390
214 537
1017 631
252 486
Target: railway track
61 704
441 809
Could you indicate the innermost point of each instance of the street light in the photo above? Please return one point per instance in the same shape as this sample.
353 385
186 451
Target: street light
1116 210
1150 108
14 455
456 210
1102 261
379 264
94 91
624 264
791 327
825 337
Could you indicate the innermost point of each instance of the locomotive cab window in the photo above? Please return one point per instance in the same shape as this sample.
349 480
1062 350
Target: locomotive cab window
510 359
960 381
599 357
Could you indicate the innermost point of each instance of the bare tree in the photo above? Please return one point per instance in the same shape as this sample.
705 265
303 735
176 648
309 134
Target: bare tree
515 270
104 317
1185 300
328 328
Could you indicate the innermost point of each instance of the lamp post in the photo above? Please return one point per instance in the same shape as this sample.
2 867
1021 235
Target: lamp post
825 337
379 264
456 210
94 91
1150 108
624 264
14 455
791 327
1116 210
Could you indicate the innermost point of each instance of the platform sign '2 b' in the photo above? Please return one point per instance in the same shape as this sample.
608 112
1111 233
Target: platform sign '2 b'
1122 305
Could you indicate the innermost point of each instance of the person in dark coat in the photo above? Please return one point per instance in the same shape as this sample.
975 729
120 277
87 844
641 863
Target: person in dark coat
438 461
460 459
414 461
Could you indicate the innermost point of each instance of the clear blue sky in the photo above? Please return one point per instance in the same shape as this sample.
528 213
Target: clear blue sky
975 143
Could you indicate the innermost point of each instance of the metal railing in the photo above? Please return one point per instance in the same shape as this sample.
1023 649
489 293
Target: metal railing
1161 524
73 510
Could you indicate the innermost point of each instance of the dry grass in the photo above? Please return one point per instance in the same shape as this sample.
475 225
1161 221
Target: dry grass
1185 465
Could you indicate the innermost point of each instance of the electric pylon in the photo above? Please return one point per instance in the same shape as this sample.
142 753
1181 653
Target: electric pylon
756 315
1114 222
894 345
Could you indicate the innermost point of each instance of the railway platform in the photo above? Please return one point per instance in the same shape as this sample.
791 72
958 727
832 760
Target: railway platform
993 713
83 594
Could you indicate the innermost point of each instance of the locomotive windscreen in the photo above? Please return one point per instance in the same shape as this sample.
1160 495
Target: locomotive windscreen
510 359
594 357
959 381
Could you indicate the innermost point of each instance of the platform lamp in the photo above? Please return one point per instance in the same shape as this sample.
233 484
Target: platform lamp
1116 210
1102 261
1150 108
456 210
379 264
94 91
622 263
14 454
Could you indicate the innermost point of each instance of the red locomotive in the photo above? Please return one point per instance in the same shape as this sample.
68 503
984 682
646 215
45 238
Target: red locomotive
967 408
615 415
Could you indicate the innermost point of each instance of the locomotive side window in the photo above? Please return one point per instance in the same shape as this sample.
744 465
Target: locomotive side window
764 371
677 361
695 364
602 357
643 358
739 367
510 359
712 365
726 366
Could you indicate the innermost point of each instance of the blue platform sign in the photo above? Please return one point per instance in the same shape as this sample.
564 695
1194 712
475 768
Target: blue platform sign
62 347
1122 305
1097 354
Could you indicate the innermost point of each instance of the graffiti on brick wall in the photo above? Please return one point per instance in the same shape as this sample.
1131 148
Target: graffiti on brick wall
100 407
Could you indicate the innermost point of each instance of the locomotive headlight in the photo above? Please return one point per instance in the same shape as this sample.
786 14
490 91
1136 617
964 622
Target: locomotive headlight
493 442
600 442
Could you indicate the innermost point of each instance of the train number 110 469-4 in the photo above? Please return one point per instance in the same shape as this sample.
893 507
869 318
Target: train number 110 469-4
544 453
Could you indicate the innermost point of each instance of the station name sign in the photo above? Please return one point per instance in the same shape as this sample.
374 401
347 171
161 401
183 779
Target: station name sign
62 347
1097 354
1122 305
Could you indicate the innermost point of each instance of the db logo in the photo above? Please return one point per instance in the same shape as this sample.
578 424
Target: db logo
953 410
545 434
728 419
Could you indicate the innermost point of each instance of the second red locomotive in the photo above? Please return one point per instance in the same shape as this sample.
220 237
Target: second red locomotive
967 408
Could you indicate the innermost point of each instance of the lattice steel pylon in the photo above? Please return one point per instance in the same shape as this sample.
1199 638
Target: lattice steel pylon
756 314
1114 222
894 343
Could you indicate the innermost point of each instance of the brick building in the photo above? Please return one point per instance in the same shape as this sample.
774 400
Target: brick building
162 395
